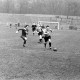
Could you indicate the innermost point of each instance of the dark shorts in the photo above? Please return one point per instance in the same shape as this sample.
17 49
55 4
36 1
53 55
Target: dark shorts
33 29
46 37
24 37
40 33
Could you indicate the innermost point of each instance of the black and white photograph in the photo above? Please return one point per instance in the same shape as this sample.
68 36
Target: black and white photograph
39 39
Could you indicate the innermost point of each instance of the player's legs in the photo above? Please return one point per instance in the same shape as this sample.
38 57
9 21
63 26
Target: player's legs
25 39
24 43
45 41
33 30
22 37
40 37
49 39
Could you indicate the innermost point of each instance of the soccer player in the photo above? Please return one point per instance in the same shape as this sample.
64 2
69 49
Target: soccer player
47 36
10 25
34 28
18 24
40 33
24 34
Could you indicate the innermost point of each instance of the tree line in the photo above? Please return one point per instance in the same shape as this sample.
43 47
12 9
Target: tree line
53 7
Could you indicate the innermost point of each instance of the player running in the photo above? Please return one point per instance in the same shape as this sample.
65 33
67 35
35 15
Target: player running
34 28
24 34
47 36
40 33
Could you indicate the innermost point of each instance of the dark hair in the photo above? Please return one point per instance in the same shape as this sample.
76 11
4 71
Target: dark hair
43 26
47 26
26 26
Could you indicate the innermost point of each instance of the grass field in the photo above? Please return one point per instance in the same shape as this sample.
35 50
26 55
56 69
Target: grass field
33 62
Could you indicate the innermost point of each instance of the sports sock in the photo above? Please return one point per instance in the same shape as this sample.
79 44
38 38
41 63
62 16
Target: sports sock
49 44
45 45
33 33
40 40
24 43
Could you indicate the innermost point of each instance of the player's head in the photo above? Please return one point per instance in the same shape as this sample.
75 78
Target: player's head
47 26
26 26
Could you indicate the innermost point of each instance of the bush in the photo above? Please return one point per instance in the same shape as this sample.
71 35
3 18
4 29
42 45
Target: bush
72 28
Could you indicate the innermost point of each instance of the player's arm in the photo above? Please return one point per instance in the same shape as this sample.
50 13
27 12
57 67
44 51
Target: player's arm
50 30
27 31
18 30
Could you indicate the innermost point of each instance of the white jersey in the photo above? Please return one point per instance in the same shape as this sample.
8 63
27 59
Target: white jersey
39 29
44 31
47 31
38 25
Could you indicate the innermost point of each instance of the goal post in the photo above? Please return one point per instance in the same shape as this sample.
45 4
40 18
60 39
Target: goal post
54 25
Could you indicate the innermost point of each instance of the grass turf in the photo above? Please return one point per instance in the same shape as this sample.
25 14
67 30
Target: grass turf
34 62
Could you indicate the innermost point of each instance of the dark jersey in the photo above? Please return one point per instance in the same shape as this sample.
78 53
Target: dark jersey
24 32
34 26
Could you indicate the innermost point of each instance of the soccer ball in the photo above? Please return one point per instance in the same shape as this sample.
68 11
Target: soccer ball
54 49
